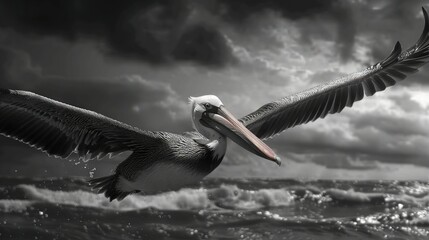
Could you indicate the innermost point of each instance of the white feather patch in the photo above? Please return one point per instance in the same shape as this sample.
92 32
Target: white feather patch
161 177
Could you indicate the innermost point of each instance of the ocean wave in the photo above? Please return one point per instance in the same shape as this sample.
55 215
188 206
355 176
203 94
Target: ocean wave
183 199
223 197
230 196
340 196
350 196
7 205
227 197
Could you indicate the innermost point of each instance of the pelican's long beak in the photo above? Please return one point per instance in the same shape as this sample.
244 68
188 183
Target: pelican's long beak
224 122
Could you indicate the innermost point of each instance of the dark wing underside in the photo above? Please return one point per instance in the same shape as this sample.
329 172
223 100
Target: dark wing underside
60 129
332 97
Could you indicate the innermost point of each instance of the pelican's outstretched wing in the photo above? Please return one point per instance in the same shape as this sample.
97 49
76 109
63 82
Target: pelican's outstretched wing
332 97
60 129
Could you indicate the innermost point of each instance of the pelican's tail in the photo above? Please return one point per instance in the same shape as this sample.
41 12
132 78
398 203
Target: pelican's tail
108 186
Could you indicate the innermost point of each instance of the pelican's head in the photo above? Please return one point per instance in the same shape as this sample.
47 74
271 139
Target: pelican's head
212 119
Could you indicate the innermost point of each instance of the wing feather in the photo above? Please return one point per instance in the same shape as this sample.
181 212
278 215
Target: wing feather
60 129
334 96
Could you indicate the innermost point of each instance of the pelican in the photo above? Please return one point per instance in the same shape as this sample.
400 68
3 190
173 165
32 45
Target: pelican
162 161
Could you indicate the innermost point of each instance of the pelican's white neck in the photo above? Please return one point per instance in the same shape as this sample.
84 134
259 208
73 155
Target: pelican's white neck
218 147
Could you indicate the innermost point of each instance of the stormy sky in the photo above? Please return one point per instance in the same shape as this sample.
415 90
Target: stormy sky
139 61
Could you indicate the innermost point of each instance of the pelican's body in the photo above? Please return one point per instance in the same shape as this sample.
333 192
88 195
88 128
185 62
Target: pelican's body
163 161
176 161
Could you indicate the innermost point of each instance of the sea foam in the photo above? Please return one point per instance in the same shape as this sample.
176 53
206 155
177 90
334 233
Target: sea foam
7 205
224 197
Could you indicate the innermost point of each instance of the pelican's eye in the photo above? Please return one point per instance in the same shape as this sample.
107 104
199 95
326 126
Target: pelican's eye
208 106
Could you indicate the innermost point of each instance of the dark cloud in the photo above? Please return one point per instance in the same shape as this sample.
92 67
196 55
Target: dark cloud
152 31
239 11
317 12
375 138
394 125
15 65
161 32
343 161
210 50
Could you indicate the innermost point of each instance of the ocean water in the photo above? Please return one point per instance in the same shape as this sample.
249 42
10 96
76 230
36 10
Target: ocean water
66 208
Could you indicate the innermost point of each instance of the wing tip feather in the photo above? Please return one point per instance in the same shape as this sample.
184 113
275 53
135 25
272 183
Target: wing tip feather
424 36
393 56
425 14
